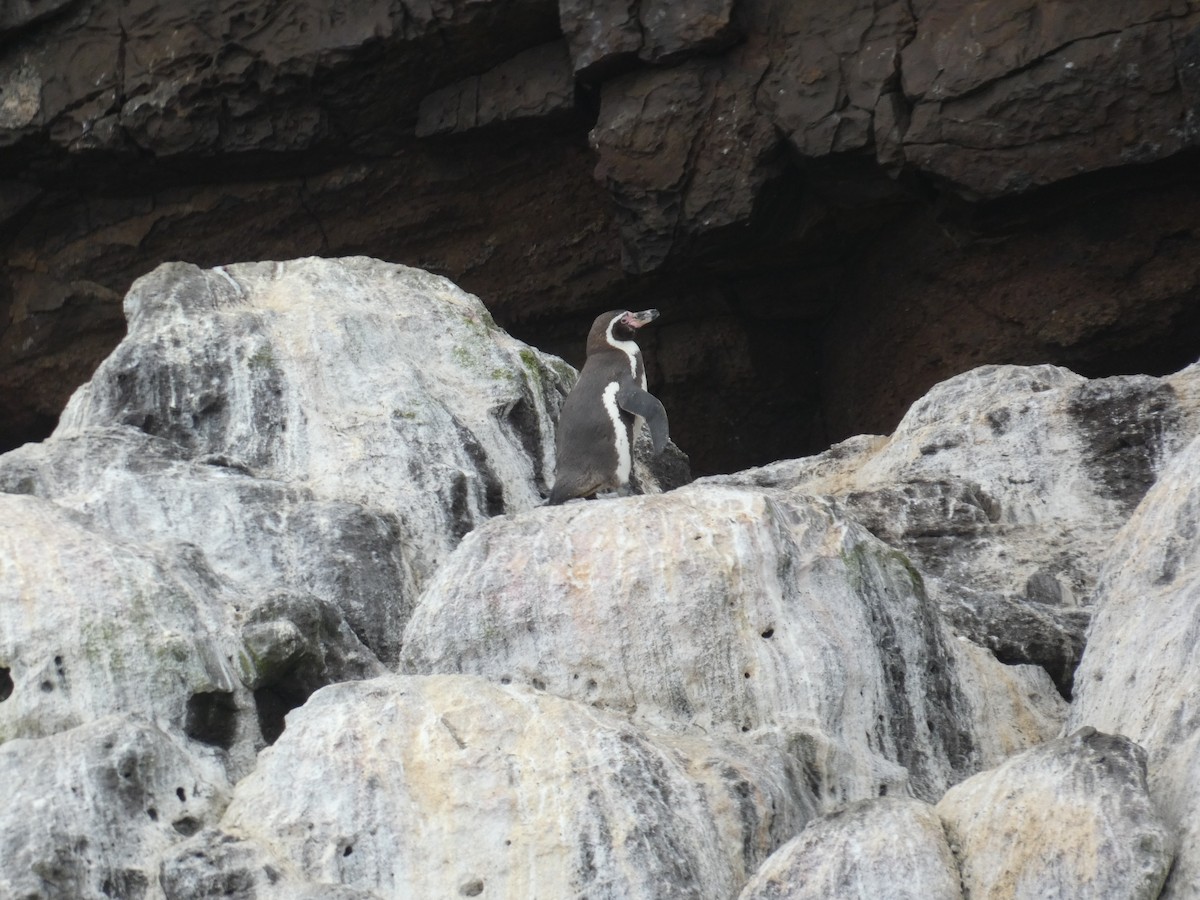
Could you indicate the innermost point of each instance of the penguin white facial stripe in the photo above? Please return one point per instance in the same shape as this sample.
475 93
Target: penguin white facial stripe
621 436
629 348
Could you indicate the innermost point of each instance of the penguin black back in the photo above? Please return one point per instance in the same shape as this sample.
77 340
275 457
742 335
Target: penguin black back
594 444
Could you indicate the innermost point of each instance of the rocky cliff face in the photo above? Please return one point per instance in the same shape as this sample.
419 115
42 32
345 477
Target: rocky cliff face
836 205
282 616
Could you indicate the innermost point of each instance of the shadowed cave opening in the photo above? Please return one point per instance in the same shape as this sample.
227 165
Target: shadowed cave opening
273 702
212 718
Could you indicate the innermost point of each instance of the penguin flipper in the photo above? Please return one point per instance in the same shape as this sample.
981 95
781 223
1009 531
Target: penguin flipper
640 403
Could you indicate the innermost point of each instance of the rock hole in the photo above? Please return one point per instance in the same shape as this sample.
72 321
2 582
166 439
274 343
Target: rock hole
539 684
272 703
211 718
47 687
181 794
6 683
745 674
153 814
768 634
187 826
505 679
883 790
472 888
349 849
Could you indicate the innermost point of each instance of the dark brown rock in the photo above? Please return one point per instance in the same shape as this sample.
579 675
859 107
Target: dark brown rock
533 84
1010 96
830 67
612 35
683 153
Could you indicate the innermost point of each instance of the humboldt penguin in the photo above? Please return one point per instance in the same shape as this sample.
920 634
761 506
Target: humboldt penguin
600 416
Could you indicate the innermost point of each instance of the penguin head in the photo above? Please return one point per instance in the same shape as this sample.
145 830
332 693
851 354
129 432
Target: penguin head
617 325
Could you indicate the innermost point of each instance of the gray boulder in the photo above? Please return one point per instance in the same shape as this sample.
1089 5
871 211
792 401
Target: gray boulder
890 847
1071 818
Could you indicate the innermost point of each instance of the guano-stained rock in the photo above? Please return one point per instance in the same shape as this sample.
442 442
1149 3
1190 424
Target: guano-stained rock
719 609
91 626
92 807
453 786
887 847
1006 485
1069 818
1138 676
260 534
401 396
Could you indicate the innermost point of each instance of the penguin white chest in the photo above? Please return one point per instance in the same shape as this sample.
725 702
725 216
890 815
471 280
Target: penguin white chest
620 435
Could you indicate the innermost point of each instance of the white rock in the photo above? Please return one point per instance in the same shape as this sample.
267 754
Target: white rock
1005 486
720 609
889 847
1013 707
1071 818
216 864
361 381
90 626
259 535
1140 675
453 786
84 814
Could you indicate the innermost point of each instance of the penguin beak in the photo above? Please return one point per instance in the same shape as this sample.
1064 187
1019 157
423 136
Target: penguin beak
638 319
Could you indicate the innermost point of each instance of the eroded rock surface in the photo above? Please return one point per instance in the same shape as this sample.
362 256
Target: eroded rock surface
1072 817
374 781
94 806
730 611
874 848
1006 486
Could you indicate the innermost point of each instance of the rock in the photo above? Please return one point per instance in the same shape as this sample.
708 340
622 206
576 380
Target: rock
1173 787
887 847
832 67
373 781
1069 818
1002 478
85 812
1010 96
98 626
260 534
720 609
218 865
1138 672
1016 706
535 83
682 153
606 37
252 365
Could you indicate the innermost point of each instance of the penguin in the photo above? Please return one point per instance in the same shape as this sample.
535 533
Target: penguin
601 414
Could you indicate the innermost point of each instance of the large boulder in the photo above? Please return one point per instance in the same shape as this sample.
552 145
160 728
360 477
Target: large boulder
723 610
1006 485
889 847
454 786
1071 818
1140 670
